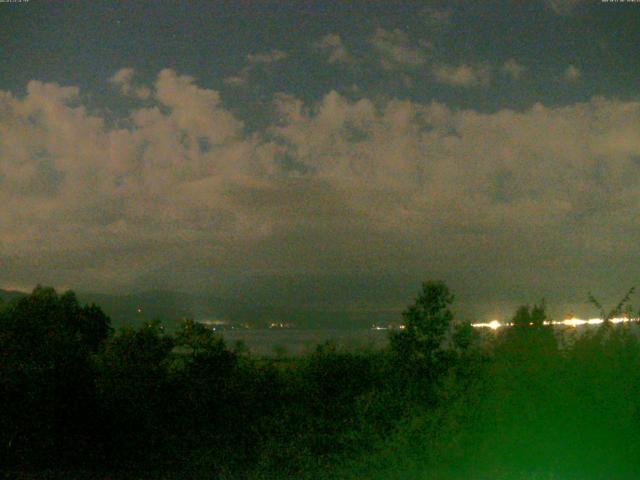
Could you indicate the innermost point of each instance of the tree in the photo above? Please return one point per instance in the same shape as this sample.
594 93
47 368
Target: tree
426 324
522 317
202 343
133 390
623 307
527 317
47 394
529 340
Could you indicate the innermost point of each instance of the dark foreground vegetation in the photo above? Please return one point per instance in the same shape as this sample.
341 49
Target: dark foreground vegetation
78 400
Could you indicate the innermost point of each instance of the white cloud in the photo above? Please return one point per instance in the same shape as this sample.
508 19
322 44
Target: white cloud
513 69
411 167
123 80
194 110
142 92
463 75
73 185
348 185
241 79
395 49
572 74
332 45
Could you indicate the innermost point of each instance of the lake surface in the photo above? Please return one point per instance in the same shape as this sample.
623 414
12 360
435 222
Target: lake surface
296 341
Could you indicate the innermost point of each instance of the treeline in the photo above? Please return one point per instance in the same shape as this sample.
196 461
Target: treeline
78 400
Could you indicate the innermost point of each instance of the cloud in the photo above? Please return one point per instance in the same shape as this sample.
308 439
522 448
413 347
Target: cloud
178 193
74 185
572 74
241 79
123 80
396 50
332 45
267 58
463 75
484 184
513 69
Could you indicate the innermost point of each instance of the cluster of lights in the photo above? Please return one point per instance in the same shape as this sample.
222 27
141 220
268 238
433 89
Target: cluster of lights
570 322
496 324
387 327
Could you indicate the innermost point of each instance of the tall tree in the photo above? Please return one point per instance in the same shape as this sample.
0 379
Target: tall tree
47 392
426 324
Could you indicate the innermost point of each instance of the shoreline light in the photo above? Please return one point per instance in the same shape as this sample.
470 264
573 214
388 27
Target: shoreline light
570 322
493 325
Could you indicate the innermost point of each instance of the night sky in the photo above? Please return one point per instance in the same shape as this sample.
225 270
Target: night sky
325 153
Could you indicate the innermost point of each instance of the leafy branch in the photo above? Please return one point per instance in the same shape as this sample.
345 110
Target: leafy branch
623 305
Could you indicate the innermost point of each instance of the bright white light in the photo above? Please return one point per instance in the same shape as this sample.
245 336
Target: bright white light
619 320
493 325
570 322
573 322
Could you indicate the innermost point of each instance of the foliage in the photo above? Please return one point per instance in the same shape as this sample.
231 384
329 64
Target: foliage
442 401
47 397
419 346
623 307
526 316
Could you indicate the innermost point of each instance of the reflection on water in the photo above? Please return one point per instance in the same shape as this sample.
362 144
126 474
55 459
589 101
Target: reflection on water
296 341
278 341
569 322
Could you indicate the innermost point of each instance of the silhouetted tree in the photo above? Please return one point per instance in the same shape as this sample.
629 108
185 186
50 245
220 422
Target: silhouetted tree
623 307
522 317
529 341
464 336
132 382
425 322
419 346
200 341
207 379
47 397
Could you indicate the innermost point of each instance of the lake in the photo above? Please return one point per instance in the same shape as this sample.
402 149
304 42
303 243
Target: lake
297 340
